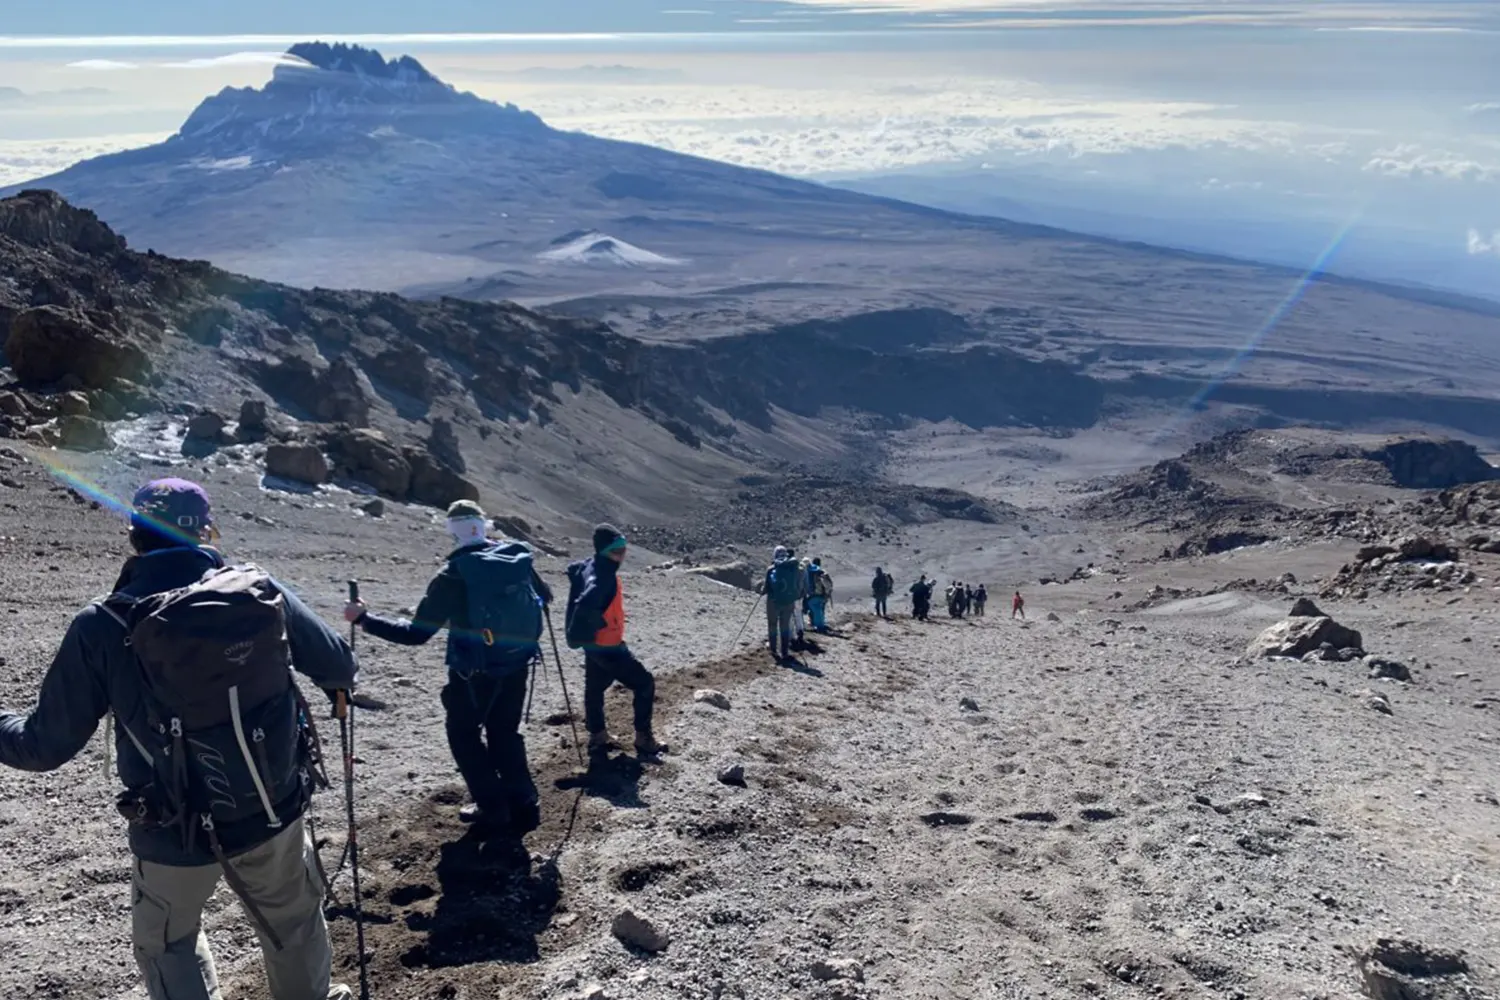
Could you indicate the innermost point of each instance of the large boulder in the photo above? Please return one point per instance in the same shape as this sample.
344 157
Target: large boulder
50 345
333 394
436 485
43 219
1296 637
83 434
206 426
367 455
442 445
406 368
300 462
253 420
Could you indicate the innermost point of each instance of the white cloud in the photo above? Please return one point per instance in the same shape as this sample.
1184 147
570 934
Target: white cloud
1479 246
22 160
102 65
239 59
1411 161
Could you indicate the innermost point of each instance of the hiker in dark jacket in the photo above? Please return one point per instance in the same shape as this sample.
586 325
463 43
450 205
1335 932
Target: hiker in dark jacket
981 597
273 868
596 625
921 599
881 588
486 689
784 586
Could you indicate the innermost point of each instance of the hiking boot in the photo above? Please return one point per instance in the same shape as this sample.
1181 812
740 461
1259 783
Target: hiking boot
477 815
599 743
647 746
338 991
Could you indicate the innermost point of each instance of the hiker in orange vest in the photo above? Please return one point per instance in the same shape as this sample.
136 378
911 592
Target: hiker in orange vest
1018 606
596 625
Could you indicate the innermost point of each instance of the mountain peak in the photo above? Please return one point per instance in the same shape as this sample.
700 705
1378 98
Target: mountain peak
360 61
328 96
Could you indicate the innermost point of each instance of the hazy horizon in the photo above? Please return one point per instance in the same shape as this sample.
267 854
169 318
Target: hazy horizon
1372 127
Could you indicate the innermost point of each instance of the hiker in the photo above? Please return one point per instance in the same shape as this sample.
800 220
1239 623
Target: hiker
596 625
801 615
981 597
150 658
820 593
921 599
1018 607
880 589
968 598
783 589
490 598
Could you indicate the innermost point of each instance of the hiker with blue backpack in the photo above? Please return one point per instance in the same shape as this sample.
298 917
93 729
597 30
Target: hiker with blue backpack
819 594
191 660
491 600
784 588
596 625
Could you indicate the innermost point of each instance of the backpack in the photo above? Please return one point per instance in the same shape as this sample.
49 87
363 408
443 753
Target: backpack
822 583
505 612
227 728
580 575
785 583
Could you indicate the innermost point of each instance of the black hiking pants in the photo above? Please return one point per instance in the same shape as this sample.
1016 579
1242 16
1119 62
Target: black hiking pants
603 668
880 605
483 723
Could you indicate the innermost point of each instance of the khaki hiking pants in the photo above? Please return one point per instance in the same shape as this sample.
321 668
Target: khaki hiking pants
282 877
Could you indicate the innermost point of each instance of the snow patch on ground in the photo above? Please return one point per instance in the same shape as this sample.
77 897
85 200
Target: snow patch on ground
594 247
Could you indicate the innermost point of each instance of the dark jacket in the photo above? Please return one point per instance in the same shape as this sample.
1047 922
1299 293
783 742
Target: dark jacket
446 603
94 673
594 585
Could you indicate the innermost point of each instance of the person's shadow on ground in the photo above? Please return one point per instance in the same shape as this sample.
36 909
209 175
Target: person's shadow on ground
491 904
614 778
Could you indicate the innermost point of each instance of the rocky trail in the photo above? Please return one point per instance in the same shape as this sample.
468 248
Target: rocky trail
1094 803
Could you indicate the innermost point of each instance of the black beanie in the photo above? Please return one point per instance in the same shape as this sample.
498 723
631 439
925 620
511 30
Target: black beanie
605 537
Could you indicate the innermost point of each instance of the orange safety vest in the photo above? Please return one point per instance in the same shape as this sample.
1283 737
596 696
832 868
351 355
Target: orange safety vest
613 632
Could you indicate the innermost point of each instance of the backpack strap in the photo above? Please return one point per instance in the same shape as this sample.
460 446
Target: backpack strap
238 884
104 605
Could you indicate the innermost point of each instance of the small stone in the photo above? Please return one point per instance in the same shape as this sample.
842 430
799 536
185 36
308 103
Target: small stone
733 775
828 970
708 696
1052 616
593 992
637 932
374 508
1380 703
1250 800
968 704
403 682
1383 669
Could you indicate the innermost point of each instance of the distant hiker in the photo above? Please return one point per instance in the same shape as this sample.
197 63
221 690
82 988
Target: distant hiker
784 589
820 592
921 598
490 598
881 588
1018 606
981 597
596 625
189 653
802 594
968 598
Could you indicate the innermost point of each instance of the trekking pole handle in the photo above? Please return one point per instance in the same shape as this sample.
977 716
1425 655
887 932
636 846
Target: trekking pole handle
353 591
341 704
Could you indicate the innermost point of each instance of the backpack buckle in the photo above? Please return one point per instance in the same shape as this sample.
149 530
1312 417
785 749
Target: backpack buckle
488 636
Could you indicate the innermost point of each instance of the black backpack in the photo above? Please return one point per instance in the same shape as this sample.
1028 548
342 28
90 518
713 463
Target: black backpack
581 575
229 735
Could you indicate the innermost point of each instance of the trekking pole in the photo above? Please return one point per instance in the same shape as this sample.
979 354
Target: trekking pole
531 691
567 699
751 615
345 713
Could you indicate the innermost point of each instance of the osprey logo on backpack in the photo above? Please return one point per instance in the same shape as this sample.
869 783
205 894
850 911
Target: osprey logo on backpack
240 653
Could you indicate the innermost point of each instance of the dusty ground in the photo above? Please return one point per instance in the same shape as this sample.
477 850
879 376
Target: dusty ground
1079 833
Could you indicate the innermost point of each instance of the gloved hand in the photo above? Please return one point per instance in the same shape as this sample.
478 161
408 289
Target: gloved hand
354 611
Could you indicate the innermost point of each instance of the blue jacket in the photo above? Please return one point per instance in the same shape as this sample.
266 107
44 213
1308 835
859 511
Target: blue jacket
446 603
94 672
